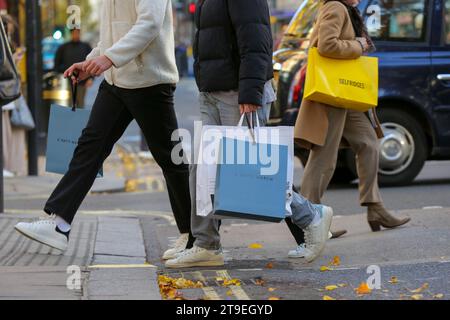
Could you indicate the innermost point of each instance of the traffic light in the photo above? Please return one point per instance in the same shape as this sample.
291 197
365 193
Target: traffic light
191 7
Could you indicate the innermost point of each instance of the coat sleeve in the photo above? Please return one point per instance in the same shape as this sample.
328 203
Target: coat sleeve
94 52
330 26
251 23
150 18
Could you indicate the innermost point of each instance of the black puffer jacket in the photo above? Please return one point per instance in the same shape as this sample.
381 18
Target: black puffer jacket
233 47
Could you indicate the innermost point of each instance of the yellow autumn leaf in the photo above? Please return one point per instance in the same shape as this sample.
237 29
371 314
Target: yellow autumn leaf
422 288
231 282
255 246
274 298
325 268
271 289
229 293
342 285
336 261
417 296
393 280
331 288
328 298
438 296
363 289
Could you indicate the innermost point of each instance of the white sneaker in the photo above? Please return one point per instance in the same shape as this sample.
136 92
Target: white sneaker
46 232
316 235
298 252
179 246
197 257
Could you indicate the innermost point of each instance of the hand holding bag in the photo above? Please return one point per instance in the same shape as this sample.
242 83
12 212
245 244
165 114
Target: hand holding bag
342 83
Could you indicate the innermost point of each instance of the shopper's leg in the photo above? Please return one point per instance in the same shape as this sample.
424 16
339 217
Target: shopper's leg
303 211
108 120
322 160
205 230
361 136
153 109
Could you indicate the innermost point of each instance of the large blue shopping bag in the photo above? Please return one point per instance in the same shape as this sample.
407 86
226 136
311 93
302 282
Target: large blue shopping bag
64 130
243 190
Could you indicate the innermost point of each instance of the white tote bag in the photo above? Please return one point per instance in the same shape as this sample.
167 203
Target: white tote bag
207 147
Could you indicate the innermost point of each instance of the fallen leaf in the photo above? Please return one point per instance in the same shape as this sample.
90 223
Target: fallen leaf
259 281
438 296
269 265
325 268
229 293
331 288
342 285
255 246
393 280
168 287
271 289
328 298
363 289
417 296
336 261
422 288
231 282
274 298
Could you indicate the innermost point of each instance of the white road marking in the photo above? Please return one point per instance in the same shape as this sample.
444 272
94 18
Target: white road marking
432 207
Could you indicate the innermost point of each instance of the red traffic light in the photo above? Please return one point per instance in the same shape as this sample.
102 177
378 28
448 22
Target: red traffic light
192 8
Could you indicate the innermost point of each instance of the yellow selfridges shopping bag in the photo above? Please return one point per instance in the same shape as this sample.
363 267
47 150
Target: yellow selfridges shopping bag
350 84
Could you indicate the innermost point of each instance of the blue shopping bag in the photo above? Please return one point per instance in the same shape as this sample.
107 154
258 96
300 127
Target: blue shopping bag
243 191
64 130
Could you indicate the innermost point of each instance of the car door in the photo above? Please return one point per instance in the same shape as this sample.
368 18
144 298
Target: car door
440 83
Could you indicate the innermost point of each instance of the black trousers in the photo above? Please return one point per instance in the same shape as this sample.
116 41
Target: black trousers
113 110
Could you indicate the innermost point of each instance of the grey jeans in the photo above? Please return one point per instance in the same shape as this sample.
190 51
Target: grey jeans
206 230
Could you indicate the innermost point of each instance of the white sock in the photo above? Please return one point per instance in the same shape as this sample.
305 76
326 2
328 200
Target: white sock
62 224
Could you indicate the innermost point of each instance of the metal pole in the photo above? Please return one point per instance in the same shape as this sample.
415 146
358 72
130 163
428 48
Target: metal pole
34 79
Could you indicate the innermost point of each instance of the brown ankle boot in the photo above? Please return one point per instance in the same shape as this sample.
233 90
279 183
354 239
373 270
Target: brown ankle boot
378 216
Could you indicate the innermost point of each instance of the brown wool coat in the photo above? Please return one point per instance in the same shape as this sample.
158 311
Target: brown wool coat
334 37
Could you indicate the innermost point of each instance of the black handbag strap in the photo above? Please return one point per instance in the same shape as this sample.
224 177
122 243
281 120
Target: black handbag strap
74 87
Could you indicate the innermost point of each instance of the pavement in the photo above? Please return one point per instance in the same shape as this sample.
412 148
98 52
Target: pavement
125 224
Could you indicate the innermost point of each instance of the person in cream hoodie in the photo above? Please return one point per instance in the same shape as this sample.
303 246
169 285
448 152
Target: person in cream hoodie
136 54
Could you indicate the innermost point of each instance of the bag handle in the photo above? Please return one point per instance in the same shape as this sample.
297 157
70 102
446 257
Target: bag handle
74 88
250 124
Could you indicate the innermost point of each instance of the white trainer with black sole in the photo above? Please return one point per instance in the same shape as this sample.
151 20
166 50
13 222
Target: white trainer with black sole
197 257
45 231
316 235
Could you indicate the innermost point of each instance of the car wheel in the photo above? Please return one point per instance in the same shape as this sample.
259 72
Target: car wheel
403 150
